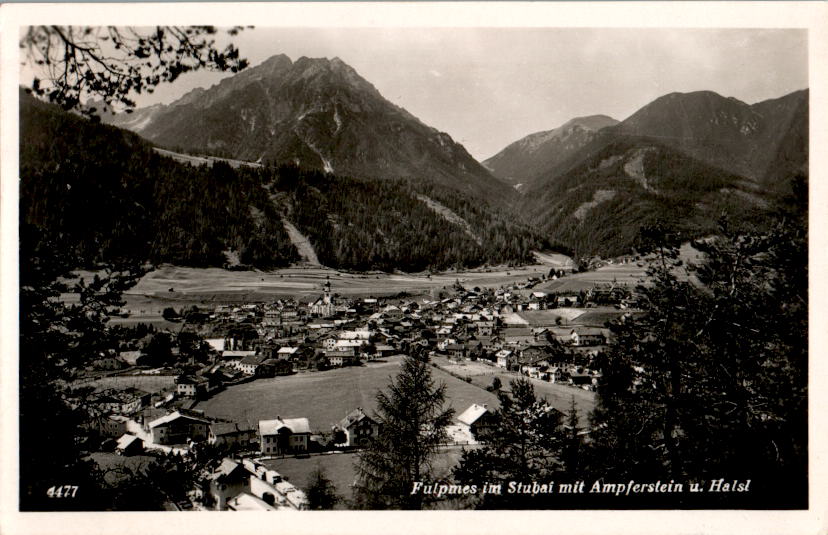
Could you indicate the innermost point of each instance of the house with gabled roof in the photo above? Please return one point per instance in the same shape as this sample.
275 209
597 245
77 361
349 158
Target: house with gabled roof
229 480
129 445
456 351
504 358
478 419
190 386
337 359
231 433
178 428
587 336
250 364
359 428
280 436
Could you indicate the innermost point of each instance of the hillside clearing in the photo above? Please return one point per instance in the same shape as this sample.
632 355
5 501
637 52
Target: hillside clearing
204 160
449 215
302 244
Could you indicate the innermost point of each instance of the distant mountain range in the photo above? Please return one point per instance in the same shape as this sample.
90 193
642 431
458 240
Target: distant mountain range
726 132
105 194
314 113
756 141
680 162
590 186
536 153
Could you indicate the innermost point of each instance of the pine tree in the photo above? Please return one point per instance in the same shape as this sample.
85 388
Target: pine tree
524 445
572 441
56 340
711 381
321 491
413 424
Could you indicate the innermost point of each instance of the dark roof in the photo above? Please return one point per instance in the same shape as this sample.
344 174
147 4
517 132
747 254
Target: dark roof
253 359
229 428
344 353
588 331
517 331
353 417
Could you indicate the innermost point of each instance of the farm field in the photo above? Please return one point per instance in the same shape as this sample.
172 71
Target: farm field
623 275
631 274
340 468
326 397
558 395
596 317
569 316
549 317
179 287
210 283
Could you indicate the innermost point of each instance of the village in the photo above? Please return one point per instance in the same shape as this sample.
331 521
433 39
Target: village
153 395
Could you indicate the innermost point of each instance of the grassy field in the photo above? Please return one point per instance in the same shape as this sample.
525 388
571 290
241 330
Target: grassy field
625 275
596 317
558 395
631 274
219 284
549 317
326 397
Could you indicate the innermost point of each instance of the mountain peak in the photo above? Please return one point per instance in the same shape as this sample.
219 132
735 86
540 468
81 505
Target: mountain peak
277 58
524 159
317 113
590 122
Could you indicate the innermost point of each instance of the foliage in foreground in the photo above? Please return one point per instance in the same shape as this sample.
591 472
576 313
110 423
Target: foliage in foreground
712 382
412 425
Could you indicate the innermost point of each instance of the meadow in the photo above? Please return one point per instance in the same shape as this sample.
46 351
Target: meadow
558 396
327 397
175 283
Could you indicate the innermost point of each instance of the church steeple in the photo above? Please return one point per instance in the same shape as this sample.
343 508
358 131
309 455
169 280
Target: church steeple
327 291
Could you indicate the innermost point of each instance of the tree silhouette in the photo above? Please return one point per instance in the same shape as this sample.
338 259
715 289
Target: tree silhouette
412 425
58 340
721 355
74 63
321 492
524 445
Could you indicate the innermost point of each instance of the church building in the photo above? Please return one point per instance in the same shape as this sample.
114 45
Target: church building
324 306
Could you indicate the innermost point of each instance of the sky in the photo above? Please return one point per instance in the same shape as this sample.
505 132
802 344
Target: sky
488 87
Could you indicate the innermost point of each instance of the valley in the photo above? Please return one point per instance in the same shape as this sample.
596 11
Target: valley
323 274
186 286
178 286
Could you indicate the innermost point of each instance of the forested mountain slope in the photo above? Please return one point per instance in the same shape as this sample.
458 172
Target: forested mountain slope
106 192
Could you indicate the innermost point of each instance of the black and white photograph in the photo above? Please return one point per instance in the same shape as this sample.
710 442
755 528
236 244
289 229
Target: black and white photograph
272 258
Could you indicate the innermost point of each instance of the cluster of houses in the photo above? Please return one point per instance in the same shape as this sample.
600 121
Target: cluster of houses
178 430
284 336
247 485
253 341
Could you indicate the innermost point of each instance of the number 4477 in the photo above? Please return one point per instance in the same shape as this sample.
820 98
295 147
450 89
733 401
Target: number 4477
64 491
